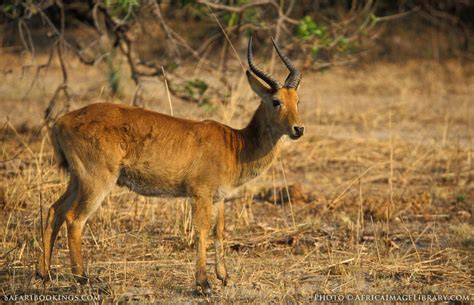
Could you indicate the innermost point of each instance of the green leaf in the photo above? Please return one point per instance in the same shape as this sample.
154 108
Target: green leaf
374 18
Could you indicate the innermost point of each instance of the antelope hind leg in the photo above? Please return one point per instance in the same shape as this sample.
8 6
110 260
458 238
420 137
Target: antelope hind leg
54 221
86 203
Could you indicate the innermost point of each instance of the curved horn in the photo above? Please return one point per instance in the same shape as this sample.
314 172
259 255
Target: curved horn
294 78
273 83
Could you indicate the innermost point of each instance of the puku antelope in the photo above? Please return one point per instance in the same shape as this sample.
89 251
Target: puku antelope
154 154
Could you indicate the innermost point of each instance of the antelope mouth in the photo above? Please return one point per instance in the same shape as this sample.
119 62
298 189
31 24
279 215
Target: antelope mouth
295 136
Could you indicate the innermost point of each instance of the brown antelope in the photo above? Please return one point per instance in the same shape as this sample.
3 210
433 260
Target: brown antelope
154 154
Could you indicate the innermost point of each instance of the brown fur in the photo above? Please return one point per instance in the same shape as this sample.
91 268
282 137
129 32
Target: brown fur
157 155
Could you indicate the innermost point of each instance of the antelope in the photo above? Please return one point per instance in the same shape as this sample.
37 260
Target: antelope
154 154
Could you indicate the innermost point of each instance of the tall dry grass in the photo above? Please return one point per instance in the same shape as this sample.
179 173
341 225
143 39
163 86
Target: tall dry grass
381 191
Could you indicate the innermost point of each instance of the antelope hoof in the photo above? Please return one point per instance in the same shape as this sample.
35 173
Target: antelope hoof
223 278
41 272
81 279
42 276
205 287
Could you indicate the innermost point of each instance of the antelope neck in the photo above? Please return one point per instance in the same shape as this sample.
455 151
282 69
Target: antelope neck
259 145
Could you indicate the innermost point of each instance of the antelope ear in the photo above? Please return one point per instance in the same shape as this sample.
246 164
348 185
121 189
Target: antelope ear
257 86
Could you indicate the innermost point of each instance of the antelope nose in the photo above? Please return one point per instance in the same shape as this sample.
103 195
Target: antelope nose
298 130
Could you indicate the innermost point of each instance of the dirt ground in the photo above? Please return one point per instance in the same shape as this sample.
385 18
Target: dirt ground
377 197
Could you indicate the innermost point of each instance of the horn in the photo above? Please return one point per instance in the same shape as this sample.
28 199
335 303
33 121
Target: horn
272 82
294 78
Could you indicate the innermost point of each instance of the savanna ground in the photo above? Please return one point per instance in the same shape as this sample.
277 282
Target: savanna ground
380 192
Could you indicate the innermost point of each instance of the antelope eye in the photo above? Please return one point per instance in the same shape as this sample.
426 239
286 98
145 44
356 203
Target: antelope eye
276 103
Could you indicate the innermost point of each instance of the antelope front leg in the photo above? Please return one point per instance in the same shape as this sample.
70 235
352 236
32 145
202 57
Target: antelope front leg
219 235
202 216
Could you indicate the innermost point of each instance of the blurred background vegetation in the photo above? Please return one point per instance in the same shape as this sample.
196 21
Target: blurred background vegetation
375 198
156 36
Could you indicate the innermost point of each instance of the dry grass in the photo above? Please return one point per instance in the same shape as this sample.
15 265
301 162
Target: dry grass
381 192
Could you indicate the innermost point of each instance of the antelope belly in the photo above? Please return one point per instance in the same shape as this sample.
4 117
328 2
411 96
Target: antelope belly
155 185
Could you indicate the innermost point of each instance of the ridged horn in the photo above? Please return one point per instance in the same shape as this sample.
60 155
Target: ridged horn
294 78
272 82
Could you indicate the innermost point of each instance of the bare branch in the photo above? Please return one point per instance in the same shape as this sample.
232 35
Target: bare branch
227 37
239 9
398 16
165 27
38 70
64 87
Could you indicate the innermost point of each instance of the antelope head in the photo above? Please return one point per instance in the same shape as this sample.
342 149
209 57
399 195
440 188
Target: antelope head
280 102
